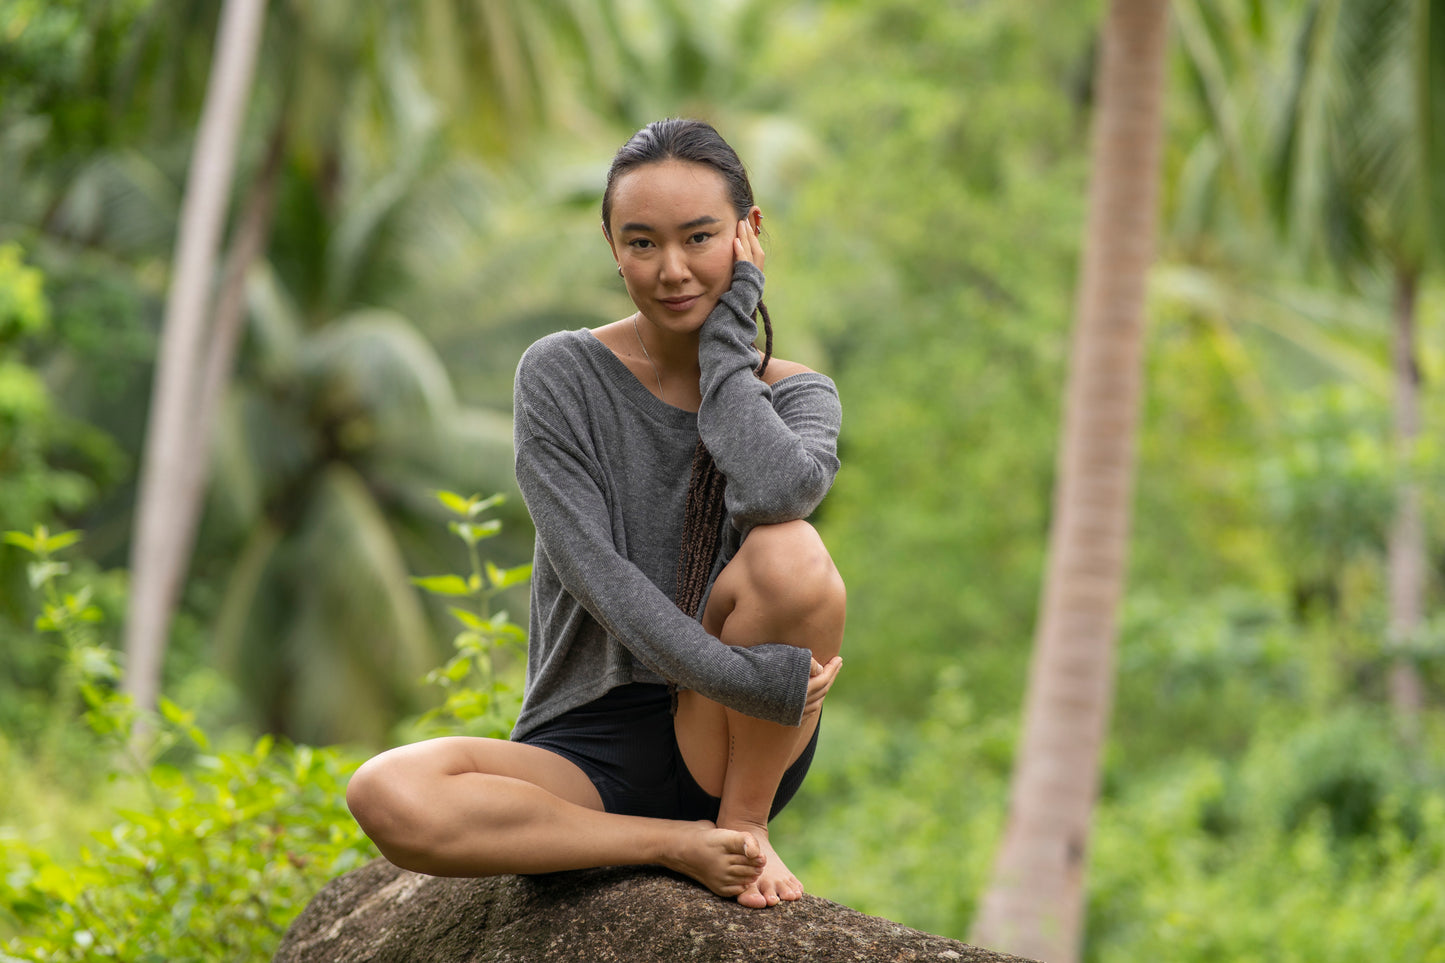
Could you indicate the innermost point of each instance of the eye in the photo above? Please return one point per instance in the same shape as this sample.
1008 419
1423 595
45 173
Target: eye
639 242
700 236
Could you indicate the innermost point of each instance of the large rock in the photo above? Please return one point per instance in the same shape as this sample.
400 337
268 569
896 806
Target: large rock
381 914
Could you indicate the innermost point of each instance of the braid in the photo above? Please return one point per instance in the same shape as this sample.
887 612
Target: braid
705 508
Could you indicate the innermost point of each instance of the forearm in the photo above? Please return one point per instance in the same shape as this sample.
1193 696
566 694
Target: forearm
779 464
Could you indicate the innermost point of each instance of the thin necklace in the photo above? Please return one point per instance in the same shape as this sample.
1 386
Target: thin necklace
655 372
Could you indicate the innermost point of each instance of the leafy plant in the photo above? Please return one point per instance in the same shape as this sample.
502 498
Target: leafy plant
211 852
482 697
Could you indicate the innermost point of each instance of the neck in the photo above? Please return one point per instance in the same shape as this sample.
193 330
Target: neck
675 355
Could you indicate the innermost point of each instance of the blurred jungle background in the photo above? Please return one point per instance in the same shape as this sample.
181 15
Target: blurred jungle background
414 199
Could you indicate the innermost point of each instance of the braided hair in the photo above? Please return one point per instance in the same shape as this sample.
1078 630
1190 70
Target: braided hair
697 142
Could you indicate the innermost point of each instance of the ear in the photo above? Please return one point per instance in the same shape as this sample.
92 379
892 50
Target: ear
755 218
610 243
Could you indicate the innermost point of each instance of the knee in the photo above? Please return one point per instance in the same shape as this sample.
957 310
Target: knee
788 564
391 816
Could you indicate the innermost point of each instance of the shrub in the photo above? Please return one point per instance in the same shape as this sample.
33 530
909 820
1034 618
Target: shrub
216 850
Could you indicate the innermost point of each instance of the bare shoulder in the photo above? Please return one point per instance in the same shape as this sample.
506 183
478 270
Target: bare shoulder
778 369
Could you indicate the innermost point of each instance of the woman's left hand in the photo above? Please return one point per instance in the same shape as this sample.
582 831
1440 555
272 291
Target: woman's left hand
746 246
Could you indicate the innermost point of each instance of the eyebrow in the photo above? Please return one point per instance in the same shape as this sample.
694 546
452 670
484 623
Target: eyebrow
703 221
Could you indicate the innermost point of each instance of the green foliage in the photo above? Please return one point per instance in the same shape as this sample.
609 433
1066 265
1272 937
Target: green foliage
1331 485
212 852
1317 844
900 821
921 166
1291 823
211 864
23 308
481 681
923 247
51 465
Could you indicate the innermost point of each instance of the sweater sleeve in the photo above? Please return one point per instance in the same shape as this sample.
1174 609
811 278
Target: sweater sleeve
778 463
569 510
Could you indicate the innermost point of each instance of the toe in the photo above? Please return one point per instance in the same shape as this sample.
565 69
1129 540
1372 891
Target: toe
753 899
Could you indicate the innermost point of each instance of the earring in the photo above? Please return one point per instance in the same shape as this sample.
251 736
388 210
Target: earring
619 270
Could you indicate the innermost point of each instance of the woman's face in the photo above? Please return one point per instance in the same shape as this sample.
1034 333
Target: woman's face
672 229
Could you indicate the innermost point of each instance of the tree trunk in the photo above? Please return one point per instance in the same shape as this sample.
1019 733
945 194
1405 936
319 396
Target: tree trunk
1407 535
157 558
251 237
1034 904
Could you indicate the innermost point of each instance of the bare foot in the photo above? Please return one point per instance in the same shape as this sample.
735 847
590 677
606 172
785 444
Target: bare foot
724 860
775 883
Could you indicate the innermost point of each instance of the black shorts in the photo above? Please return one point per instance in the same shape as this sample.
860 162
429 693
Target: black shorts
625 744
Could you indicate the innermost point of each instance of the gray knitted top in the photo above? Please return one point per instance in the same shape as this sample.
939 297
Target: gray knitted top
603 465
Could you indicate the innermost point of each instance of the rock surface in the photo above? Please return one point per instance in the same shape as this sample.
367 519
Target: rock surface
381 914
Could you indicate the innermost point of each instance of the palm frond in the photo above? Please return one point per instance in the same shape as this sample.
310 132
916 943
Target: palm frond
1315 324
377 361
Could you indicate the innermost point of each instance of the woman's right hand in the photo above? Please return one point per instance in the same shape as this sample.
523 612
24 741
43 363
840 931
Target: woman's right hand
820 680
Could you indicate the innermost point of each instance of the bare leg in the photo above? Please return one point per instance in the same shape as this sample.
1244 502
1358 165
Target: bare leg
781 587
481 807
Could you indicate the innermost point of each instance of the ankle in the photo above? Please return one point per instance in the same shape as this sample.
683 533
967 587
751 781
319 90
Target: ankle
744 822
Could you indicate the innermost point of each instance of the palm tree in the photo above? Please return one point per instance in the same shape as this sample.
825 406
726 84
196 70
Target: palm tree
1034 905
1356 182
1324 130
327 447
503 75
160 547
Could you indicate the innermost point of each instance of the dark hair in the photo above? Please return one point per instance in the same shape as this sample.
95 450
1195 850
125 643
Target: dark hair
696 142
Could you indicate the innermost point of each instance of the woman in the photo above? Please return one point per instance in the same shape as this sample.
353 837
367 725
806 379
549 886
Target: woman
685 620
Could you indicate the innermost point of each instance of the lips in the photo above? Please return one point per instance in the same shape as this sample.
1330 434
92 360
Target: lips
680 304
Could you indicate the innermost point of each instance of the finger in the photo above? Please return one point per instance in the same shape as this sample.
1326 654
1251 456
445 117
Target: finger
818 689
745 244
818 668
755 244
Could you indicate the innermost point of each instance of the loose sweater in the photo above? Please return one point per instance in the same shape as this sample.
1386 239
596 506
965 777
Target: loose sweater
603 466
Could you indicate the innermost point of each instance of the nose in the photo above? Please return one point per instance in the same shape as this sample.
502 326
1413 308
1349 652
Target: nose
673 269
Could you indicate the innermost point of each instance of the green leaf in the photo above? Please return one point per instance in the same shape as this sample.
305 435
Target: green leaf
39 573
485 529
507 577
511 633
443 585
96 662
485 504
173 713
456 503
198 738
60 540
468 618
474 533
20 539
469 642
